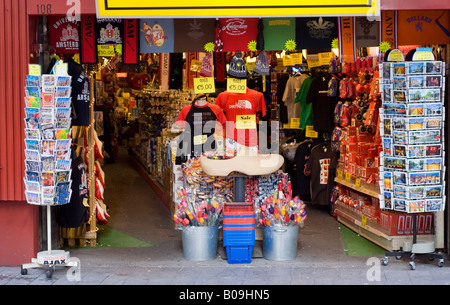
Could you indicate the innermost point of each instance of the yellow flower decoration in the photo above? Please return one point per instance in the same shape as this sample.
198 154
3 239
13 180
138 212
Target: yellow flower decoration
251 45
384 46
209 47
290 45
335 43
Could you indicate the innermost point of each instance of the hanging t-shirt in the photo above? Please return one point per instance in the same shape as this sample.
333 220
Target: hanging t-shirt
236 33
198 135
300 159
241 111
290 92
306 112
316 32
80 94
322 104
75 214
318 167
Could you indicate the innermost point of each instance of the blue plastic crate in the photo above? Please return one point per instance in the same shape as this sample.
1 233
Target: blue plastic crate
238 237
239 254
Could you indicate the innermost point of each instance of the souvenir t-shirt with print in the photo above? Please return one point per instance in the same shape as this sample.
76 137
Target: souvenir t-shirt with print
241 111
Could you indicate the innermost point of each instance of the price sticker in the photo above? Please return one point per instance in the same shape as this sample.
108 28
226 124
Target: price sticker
200 139
287 61
34 70
106 50
363 220
358 183
340 174
236 85
310 132
204 85
297 58
325 58
348 177
246 121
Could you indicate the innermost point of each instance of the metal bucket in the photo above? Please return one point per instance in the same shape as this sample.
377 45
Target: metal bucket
280 243
200 243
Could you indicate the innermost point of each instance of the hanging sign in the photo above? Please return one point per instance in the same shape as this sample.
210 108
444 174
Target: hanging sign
204 85
233 8
88 45
131 41
388 28
347 39
236 85
63 34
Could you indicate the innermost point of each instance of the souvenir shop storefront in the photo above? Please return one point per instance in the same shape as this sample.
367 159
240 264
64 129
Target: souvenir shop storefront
349 102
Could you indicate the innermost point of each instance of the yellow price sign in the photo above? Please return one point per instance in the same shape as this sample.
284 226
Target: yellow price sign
250 65
313 63
310 132
34 69
287 61
348 177
340 174
204 85
423 55
246 121
236 85
295 123
358 183
106 50
363 220
324 58
297 58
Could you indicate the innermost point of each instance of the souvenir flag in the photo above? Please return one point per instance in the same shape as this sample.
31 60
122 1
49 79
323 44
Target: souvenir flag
191 35
88 44
236 33
425 27
367 33
347 39
388 28
109 31
131 41
315 32
277 31
220 68
64 36
156 36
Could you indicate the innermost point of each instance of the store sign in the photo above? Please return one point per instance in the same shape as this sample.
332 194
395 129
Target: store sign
217 8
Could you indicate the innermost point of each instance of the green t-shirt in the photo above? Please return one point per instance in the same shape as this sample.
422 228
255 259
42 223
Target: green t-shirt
306 112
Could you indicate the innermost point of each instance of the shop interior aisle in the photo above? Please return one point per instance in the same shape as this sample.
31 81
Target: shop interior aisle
136 210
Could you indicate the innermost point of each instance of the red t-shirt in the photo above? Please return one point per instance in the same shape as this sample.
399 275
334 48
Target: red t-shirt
220 116
237 33
241 112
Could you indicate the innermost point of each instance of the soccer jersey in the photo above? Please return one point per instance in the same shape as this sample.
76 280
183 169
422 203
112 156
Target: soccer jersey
241 111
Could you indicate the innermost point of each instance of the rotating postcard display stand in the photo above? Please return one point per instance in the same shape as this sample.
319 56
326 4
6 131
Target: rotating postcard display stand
240 243
48 154
412 130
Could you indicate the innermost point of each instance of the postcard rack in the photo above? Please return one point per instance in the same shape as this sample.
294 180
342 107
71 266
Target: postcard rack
412 160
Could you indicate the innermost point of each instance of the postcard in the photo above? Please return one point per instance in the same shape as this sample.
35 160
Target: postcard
433 150
64 197
32 155
425 136
62 165
433 109
63 81
433 191
420 178
416 81
395 163
387 146
32 176
32 134
32 186
48 179
33 166
33 197
32 92
62 155
400 137
387 179
31 123
386 69
48 164
62 176
399 123
387 93
416 151
47 132
47 116
416 206
399 96
32 144
399 178
63 144
400 191
399 150
399 68
387 126
434 123
433 81
48 100
388 200
63 91
63 102
32 102
63 134
394 109
48 80
434 205
400 205
434 67
415 165
433 164
424 95
415 192
416 67
62 187
33 81
48 147
399 83
416 123
63 113
415 110
32 113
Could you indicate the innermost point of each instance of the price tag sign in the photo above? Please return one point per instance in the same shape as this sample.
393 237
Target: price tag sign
324 58
204 85
106 50
246 121
423 55
287 61
34 70
358 183
297 58
340 174
348 177
363 220
313 63
236 85
310 133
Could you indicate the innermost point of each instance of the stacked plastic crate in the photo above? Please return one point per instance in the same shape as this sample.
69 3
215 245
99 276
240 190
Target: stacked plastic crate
239 231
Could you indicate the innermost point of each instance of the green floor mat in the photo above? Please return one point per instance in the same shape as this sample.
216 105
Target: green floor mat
108 237
356 245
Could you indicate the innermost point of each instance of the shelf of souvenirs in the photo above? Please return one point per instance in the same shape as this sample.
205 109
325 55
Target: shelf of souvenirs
356 183
388 230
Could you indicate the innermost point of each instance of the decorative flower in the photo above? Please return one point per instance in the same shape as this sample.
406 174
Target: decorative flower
384 46
209 47
290 45
252 45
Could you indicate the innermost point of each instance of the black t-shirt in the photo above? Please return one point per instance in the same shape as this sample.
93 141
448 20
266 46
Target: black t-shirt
322 104
80 94
318 165
301 158
75 214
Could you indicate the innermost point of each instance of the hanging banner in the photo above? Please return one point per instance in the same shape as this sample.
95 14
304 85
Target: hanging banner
164 71
192 56
88 45
367 33
131 42
220 68
109 31
423 27
63 34
191 35
277 31
236 33
156 36
347 39
315 32
388 28
233 8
